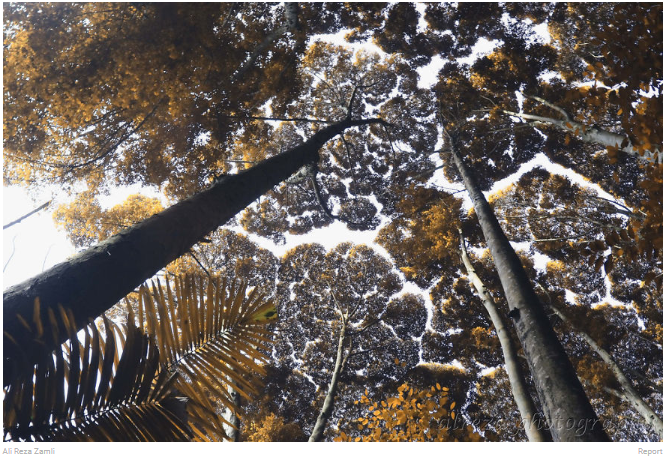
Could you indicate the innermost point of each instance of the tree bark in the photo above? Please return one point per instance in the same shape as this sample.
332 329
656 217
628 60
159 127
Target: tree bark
93 281
234 431
567 410
628 392
327 409
590 134
535 432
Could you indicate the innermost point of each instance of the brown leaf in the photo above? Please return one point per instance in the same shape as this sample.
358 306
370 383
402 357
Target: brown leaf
598 264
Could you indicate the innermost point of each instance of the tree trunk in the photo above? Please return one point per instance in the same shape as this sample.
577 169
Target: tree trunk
628 392
16 221
535 432
291 10
590 134
567 410
327 409
93 281
234 431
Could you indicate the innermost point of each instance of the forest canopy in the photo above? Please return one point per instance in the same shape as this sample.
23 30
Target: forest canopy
448 218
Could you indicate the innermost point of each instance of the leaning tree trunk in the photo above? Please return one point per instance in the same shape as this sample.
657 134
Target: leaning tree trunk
535 432
327 408
93 281
566 407
628 392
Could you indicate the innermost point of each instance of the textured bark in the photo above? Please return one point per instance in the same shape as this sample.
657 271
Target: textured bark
524 401
567 410
590 134
92 282
628 392
327 408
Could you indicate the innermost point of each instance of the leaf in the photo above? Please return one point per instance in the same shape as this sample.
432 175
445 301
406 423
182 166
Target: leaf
608 265
265 314
598 264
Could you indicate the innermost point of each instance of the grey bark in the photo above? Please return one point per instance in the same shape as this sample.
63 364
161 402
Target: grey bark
327 408
628 392
233 431
586 133
535 432
93 281
567 410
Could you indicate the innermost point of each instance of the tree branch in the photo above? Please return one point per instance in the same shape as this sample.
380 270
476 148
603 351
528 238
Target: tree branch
271 118
16 221
560 110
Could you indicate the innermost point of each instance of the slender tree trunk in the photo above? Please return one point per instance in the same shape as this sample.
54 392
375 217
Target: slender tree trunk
16 221
93 281
589 134
327 409
534 430
291 10
628 392
567 410
234 431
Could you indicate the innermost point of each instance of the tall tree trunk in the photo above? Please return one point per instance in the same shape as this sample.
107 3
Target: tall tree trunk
590 134
628 392
93 281
566 408
327 409
535 432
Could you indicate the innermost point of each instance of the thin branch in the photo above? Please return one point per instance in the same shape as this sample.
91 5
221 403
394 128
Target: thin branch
335 91
337 304
13 251
349 161
350 105
366 327
550 105
16 221
320 199
46 256
117 144
270 118
191 253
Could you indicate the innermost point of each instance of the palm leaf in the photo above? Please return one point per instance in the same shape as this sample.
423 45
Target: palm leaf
82 392
208 330
148 382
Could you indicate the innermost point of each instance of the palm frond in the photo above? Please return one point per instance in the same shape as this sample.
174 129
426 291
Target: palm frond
151 382
208 330
96 390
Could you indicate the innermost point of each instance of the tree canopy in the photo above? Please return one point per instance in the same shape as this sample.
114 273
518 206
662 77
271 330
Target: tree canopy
264 123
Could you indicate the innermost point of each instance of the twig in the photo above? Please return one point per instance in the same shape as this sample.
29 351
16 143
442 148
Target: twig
191 253
46 256
13 251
